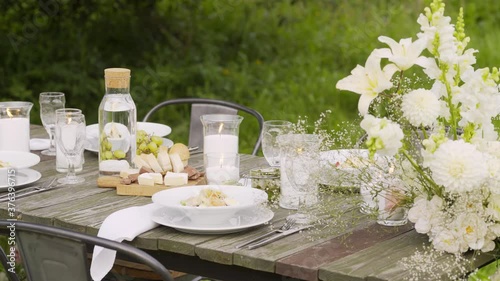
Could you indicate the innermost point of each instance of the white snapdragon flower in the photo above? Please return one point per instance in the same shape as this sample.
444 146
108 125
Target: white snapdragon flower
384 136
466 60
421 107
405 53
479 97
368 81
458 166
440 24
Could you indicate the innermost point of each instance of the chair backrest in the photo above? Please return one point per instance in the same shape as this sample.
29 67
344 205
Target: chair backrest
201 106
53 254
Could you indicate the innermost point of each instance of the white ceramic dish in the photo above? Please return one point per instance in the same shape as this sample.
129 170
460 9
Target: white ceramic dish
93 146
19 178
240 221
343 167
246 199
19 159
156 129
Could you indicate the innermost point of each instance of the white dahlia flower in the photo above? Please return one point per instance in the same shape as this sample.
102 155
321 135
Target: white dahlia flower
421 107
459 166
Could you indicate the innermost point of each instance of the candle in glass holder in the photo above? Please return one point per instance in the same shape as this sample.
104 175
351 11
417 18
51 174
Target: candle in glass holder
15 126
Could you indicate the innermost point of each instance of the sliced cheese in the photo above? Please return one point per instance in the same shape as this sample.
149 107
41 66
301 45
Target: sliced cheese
177 165
164 159
146 179
176 178
157 177
126 173
152 162
139 162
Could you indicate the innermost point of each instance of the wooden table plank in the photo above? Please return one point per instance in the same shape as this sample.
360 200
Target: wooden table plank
304 264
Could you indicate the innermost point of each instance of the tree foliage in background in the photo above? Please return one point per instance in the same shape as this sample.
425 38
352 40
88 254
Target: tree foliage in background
280 57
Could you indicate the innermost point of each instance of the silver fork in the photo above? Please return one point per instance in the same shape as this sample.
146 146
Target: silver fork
30 190
289 223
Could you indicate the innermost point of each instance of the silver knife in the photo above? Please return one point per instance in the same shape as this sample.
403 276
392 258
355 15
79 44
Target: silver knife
277 237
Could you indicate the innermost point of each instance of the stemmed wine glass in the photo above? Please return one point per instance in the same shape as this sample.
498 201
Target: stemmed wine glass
49 103
70 136
270 146
300 164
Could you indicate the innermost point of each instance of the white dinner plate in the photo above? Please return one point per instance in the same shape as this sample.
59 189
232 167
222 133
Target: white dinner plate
19 178
156 129
239 222
93 146
19 159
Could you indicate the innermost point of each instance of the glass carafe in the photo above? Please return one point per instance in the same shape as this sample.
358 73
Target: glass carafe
15 125
117 123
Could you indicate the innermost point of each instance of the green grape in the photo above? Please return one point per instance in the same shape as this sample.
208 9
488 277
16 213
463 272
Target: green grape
109 146
157 140
143 146
108 155
152 147
119 154
141 133
138 151
139 139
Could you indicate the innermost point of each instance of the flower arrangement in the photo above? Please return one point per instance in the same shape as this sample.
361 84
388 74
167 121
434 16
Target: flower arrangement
442 131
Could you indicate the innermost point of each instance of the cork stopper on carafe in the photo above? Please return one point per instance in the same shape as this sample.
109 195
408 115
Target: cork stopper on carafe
117 78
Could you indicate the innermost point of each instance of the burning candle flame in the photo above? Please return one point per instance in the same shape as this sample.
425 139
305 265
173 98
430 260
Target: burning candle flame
220 127
9 113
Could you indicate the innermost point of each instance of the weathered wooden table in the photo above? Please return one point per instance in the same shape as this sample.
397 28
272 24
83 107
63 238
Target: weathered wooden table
365 251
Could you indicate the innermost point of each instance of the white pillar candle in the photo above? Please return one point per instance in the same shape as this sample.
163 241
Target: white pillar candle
15 134
219 143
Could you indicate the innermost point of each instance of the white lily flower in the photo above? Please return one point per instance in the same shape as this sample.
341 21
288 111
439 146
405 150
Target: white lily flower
405 53
368 81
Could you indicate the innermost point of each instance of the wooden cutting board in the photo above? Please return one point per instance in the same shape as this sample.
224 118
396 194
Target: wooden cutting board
137 189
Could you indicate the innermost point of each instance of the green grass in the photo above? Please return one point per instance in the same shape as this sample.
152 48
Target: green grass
282 58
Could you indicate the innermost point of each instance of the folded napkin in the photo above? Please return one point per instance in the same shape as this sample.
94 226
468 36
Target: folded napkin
122 225
39 144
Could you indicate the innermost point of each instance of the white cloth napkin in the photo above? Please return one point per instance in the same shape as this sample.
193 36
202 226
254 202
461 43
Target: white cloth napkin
121 225
39 144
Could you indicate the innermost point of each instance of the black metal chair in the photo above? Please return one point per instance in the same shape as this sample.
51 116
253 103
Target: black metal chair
56 254
200 106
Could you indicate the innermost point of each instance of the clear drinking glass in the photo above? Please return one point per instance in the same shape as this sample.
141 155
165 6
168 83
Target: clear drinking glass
70 136
300 161
61 161
270 147
49 103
